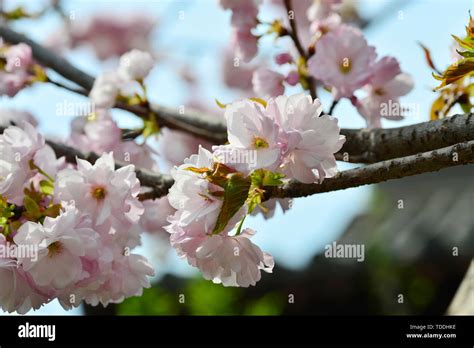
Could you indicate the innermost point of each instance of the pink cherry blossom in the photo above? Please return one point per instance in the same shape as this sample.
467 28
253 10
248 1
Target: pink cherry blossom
322 9
244 44
102 134
113 34
61 243
124 276
342 61
250 132
16 74
292 78
326 24
99 135
268 83
135 65
108 195
19 58
18 146
105 90
244 13
11 84
235 74
16 293
244 19
386 85
308 139
283 58
230 260
191 193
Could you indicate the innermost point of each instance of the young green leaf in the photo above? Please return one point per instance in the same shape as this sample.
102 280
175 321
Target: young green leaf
235 194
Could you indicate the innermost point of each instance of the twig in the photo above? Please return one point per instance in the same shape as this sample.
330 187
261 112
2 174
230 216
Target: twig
333 106
293 33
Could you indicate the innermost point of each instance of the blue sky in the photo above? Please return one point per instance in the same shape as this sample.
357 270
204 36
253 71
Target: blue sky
197 41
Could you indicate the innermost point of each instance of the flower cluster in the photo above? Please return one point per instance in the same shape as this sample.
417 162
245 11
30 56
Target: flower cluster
134 66
16 64
244 19
344 62
99 132
71 227
109 35
213 192
331 54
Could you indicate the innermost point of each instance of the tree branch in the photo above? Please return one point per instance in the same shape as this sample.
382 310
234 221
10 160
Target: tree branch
371 146
397 168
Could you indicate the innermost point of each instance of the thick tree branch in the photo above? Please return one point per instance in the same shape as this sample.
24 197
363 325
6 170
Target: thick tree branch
49 59
371 146
397 168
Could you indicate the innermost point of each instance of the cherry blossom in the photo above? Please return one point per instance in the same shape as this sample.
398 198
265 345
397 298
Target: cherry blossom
108 195
135 65
229 260
114 34
191 193
308 139
343 61
386 85
105 90
18 146
16 293
61 242
244 19
250 131
16 74
268 83
244 44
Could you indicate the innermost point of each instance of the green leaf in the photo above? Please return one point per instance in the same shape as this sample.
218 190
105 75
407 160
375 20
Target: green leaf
467 43
47 187
31 207
466 54
235 194
221 105
272 179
